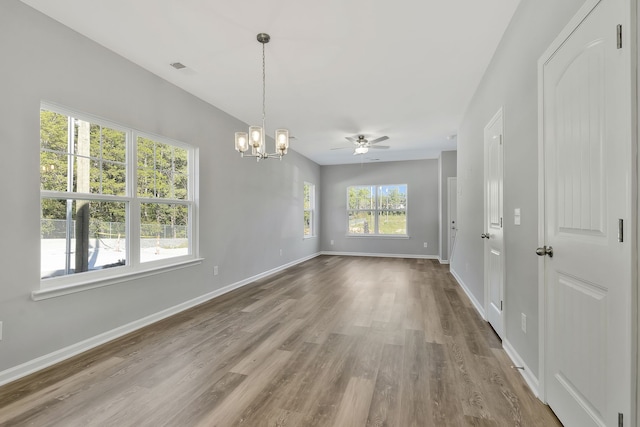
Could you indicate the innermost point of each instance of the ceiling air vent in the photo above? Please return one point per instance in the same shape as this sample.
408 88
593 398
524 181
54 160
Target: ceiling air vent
178 65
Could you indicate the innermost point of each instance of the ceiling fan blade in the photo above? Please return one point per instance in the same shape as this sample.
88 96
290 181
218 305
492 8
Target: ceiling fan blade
380 147
351 139
338 148
382 138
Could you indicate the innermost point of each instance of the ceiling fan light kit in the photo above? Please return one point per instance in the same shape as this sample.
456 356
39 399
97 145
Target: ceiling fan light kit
255 138
362 144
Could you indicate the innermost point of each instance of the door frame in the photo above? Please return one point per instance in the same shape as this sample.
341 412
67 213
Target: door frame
631 36
487 297
449 182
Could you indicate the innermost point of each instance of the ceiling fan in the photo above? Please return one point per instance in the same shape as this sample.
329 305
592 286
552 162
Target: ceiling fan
362 144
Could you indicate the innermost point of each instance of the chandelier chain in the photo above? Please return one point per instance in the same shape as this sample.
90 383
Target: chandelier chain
264 90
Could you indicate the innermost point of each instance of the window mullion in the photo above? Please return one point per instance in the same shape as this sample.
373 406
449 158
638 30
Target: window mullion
133 213
375 212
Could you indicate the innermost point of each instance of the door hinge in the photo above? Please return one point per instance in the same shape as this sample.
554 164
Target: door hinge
620 420
500 222
500 305
619 36
620 230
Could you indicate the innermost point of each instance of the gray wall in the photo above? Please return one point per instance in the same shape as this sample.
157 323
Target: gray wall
510 81
248 211
448 169
421 176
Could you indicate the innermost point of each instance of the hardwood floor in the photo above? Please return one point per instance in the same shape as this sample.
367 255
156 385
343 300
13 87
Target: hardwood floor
335 341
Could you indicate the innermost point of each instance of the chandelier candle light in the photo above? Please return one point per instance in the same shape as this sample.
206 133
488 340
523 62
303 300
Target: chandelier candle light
256 138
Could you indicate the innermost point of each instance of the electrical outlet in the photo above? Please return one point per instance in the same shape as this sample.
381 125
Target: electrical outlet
332 243
215 270
280 252
425 244
524 322
0 331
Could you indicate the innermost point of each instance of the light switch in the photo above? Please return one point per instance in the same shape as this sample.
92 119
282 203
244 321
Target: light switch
516 216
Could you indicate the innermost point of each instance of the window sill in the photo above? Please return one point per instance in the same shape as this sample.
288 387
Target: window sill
308 237
85 285
380 236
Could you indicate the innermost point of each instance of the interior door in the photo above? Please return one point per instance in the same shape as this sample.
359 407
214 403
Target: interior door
493 235
452 209
587 252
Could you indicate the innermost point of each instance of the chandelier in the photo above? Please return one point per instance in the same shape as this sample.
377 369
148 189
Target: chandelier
256 137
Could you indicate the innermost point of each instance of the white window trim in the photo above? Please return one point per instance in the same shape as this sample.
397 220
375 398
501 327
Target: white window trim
63 285
312 202
375 213
85 285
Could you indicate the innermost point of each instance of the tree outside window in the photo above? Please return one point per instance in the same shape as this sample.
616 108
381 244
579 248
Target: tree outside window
309 202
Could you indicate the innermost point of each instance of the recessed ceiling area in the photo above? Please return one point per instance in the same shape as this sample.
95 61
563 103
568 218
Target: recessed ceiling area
406 69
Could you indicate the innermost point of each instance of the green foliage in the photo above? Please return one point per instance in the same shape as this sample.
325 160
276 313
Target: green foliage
307 196
101 168
392 197
307 223
362 197
154 215
361 222
53 131
392 223
308 205
108 152
162 173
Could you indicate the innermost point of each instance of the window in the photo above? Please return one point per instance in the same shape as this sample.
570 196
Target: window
309 209
377 210
163 188
107 203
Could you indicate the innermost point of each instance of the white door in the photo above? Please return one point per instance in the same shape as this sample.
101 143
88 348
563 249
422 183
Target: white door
493 235
586 161
452 209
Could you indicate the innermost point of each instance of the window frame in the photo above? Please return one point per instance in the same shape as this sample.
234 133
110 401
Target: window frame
311 210
376 211
54 286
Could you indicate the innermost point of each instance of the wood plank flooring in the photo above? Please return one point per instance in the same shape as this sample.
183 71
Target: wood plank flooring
335 341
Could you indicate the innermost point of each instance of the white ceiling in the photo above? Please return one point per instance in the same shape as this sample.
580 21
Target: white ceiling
335 68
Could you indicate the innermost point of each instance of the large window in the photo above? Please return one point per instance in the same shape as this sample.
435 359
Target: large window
309 209
377 210
111 198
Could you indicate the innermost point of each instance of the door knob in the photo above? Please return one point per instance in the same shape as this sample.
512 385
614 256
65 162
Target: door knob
545 250
485 236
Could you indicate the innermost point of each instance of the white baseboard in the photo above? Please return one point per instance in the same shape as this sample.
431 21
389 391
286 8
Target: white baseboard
57 356
530 379
466 290
410 256
443 261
